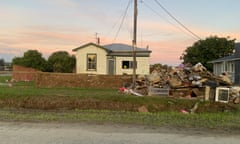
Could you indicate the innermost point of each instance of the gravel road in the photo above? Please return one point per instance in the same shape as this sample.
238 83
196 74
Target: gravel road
82 133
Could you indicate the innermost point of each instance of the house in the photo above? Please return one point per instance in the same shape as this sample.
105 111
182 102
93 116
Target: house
112 59
229 64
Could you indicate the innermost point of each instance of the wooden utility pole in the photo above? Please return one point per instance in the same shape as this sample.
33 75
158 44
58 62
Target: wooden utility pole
134 42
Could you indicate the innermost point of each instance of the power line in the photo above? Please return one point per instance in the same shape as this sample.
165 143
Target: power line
113 26
174 18
149 7
123 18
157 13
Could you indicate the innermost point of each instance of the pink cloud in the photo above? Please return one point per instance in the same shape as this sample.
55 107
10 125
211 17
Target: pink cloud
175 31
169 51
166 49
43 41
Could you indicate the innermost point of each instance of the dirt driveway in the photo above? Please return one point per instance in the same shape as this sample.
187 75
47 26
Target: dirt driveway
82 133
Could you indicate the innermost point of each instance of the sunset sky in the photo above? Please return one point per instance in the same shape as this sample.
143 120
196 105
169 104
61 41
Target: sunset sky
54 25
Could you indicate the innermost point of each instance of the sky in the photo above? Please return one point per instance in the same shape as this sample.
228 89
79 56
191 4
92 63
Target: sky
62 25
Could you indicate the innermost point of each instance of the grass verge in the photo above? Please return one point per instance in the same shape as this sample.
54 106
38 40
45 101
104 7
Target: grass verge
26 95
26 102
223 121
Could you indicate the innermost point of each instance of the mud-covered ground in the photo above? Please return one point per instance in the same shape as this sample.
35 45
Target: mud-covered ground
85 133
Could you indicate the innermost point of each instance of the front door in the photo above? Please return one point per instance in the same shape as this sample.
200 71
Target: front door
111 67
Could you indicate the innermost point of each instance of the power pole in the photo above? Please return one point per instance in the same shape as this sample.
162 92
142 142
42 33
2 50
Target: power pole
134 42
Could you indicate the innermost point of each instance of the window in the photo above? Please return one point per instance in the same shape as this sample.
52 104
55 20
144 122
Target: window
229 66
91 62
127 64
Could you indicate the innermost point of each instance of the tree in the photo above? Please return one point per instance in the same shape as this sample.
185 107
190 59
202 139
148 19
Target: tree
2 62
61 61
32 59
209 49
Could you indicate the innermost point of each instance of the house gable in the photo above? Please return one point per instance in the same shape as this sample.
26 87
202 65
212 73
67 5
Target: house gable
90 44
91 59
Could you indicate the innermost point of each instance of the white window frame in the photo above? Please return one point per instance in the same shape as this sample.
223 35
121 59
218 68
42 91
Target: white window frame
91 65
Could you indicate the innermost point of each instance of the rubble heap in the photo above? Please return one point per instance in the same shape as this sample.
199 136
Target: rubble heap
186 76
183 81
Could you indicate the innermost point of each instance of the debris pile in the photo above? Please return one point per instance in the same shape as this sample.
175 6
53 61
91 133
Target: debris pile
185 81
186 76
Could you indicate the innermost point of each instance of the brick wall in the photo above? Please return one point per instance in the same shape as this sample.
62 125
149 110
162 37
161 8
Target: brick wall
21 73
81 80
44 79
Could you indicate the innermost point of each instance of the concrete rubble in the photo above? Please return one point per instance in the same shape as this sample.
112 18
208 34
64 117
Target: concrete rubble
186 82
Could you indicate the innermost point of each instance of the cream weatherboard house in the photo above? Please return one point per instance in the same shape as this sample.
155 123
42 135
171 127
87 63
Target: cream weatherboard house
113 59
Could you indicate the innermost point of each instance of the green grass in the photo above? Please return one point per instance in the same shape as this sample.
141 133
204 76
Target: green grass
27 95
229 121
4 78
26 102
28 89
